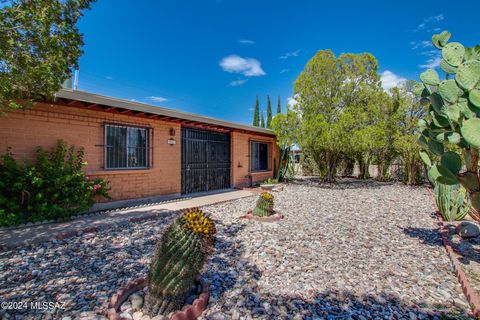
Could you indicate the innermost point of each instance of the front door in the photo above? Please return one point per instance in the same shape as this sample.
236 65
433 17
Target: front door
205 160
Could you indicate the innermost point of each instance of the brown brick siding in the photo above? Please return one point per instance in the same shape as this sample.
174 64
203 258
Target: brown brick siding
241 158
45 124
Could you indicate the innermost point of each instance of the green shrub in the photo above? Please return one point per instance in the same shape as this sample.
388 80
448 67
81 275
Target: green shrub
270 181
53 187
309 167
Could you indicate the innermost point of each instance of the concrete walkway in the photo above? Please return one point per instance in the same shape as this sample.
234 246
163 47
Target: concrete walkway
39 233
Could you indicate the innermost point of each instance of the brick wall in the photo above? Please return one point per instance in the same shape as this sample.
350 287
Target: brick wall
45 124
241 172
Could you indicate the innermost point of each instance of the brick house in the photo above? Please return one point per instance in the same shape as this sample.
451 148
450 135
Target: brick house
144 151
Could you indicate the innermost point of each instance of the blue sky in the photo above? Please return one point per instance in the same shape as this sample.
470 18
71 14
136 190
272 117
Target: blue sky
212 57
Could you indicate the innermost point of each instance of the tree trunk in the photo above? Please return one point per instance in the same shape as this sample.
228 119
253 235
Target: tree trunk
349 166
382 167
330 168
412 171
364 163
472 167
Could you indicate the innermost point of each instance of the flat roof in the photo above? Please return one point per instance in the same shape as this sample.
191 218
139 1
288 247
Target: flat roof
96 99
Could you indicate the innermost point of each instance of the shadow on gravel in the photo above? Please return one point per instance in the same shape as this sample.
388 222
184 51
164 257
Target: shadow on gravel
429 237
222 269
340 305
234 277
82 272
341 183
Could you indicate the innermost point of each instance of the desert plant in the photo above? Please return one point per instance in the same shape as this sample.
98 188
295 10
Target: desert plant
270 181
179 257
264 206
453 119
451 201
54 186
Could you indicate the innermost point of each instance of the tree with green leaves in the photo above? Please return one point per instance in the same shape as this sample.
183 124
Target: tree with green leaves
279 107
360 96
387 127
256 114
269 112
262 120
335 98
40 44
410 112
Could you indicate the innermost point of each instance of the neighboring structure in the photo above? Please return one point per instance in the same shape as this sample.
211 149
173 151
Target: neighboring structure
143 150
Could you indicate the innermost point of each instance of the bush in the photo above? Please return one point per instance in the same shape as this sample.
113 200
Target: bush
270 181
308 166
53 187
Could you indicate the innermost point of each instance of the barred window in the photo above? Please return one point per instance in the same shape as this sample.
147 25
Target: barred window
259 156
126 147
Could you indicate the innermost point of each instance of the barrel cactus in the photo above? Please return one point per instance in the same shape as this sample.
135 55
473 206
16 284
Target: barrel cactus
179 257
264 206
451 201
453 121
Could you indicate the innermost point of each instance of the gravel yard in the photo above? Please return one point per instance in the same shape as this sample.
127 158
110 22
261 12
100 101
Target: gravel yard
358 250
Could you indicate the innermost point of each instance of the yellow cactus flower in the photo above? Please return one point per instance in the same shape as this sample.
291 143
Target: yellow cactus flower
195 220
267 196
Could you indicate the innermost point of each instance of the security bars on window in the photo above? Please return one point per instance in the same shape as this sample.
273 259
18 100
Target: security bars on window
126 147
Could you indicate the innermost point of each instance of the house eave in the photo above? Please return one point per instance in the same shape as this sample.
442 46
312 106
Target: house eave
104 103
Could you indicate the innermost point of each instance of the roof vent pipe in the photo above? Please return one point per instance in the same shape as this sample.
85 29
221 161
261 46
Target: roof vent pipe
75 79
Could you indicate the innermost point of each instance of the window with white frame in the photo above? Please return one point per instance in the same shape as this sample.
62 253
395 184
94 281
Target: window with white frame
126 147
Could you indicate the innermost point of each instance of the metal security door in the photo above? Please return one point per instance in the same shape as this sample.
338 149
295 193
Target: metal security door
205 160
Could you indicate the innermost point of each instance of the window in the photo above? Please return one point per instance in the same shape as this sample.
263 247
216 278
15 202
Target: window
259 156
126 147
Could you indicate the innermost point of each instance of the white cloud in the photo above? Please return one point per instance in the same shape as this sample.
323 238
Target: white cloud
426 25
421 44
431 63
157 99
284 70
238 82
430 53
246 41
390 80
290 54
291 101
247 66
109 77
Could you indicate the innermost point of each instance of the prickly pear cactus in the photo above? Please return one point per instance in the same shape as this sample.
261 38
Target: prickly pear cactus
179 257
454 117
264 206
451 201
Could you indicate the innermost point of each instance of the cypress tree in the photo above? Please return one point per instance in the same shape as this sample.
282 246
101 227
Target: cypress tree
256 114
269 113
279 108
262 122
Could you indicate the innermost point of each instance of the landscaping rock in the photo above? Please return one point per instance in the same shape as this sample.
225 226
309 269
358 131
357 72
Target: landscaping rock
126 316
467 229
137 301
336 252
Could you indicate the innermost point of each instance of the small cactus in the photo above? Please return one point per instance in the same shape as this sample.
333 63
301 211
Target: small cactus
264 206
451 201
180 255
